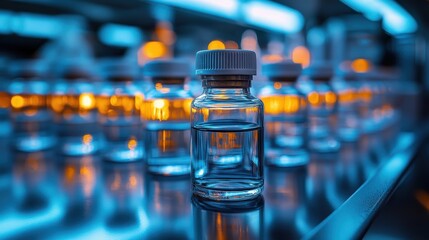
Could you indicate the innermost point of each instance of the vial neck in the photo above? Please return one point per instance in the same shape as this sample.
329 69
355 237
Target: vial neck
177 83
226 82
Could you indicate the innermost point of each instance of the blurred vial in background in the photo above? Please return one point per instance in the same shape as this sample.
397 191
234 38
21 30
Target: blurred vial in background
228 220
227 128
124 194
4 99
80 190
370 95
285 196
33 180
322 113
285 115
31 119
168 208
165 113
118 104
345 86
74 104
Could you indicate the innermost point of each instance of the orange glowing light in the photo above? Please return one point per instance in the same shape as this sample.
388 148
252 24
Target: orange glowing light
164 33
347 96
164 109
282 104
272 58
330 98
314 99
277 85
87 139
301 55
361 65
365 94
87 101
216 44
132 143
231 45
17 101
132 181
153 49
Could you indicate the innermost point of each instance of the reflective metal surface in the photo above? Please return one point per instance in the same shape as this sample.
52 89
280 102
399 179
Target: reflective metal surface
49 196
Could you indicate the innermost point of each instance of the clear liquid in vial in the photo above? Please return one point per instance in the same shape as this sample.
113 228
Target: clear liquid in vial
167 147
226 160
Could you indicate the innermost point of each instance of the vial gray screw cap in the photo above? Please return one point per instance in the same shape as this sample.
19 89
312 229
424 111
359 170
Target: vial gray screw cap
225 62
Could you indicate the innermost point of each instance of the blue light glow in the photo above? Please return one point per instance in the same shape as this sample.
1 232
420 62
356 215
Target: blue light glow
120 35
36 25
264 14
5 18
273 16
396 20
224 8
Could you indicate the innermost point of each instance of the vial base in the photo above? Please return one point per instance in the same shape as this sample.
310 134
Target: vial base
324 145
228 189
170 169
34 142
78 146
122 153
289 159
348 134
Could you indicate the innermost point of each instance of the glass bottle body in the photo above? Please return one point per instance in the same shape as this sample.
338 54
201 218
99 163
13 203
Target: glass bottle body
118 104
285 124
74 105
322 118
348 115
31 120
165 113
227 142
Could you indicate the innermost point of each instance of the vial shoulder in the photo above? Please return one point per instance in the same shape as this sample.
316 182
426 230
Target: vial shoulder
168 94
205 101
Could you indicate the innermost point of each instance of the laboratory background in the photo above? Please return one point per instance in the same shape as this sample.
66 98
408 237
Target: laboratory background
214 119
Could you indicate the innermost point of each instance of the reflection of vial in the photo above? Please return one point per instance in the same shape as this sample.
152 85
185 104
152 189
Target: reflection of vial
73 102
285 197
118 103
227 128
348 115
228 220
285 115
32 122
124 193
165 112
322 109
33 178
370 101
167 205
80 178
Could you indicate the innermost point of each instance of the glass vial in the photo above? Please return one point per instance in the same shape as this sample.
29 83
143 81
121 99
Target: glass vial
345 86
165 113
4 103
285 115
322 112
73 102
118 103
227 128
31 119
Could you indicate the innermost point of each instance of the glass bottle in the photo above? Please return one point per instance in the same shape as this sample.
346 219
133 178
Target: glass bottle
31 119
227 128
118 103
322 111
73 102
285 115
165 113
345 87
